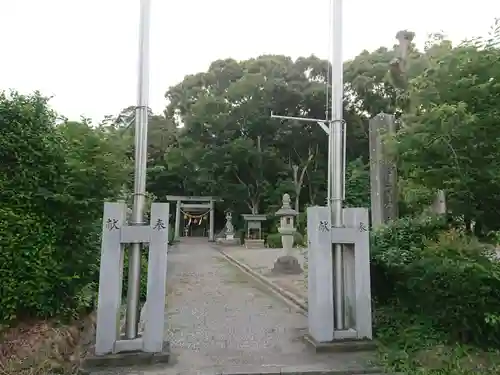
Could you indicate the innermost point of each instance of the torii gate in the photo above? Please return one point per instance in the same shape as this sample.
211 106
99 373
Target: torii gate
206 203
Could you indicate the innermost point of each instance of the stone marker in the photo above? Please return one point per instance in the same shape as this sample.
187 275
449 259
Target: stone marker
383 171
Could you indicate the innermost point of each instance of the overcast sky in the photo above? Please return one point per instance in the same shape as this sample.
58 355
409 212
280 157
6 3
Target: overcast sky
84 52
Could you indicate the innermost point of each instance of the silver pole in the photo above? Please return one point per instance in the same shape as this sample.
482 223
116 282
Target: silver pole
329 168
141 136
336 156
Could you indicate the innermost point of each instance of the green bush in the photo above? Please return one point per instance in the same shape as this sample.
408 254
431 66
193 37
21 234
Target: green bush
28 264
298 239
144 275
393 246
301 220
273 240
425 269
457 285
53 182
241 234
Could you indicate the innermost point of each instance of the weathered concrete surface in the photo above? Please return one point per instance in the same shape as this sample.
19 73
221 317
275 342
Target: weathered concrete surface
219 322
262 262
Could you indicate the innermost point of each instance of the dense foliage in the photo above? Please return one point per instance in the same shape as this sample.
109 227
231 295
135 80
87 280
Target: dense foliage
436 295
414 256
53 182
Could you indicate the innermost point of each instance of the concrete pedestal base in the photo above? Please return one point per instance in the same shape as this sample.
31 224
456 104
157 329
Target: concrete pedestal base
93 361
254 244
340 346
287 264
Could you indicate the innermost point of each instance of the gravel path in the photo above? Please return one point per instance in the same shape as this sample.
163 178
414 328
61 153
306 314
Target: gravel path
220 322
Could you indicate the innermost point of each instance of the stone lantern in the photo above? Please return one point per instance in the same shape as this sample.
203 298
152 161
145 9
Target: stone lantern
287 263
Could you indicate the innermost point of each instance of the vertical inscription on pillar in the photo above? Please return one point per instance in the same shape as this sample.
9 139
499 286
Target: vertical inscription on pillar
159 225
362 227
324 226
112 224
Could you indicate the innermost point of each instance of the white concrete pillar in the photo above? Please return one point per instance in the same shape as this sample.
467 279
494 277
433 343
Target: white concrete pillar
356 269
110 278
212 218
157 278
177 220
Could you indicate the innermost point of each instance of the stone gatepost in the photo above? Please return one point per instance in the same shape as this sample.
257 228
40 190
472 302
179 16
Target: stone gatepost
111 347
287 263
355 238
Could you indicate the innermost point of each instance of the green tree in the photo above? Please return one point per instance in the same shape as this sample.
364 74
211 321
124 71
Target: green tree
450 138
53 181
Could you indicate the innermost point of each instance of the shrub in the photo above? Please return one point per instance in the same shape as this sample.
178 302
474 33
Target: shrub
28 265
144 275
53 181
273 240
241 234
301 221
298 240
425 269
457 285
394 245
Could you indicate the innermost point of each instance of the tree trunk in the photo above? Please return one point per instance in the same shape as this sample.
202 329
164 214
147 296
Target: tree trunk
313 193
253 204
298 179
468 225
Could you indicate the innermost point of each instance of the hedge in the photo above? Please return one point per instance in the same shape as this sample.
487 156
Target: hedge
273 240
53 182
421 266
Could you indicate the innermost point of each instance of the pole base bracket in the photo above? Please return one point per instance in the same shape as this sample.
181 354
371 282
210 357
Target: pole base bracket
340 346
126 358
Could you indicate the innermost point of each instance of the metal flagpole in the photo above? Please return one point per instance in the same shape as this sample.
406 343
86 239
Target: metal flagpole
336 161
141 136
335 129
328 110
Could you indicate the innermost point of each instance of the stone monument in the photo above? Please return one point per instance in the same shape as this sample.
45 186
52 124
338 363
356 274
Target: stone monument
287 263
383 172
254 239
228 238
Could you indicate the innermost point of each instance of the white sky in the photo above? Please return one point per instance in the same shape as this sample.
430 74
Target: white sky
84 52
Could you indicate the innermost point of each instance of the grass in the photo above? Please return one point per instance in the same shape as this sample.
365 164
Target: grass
44 347
409 344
